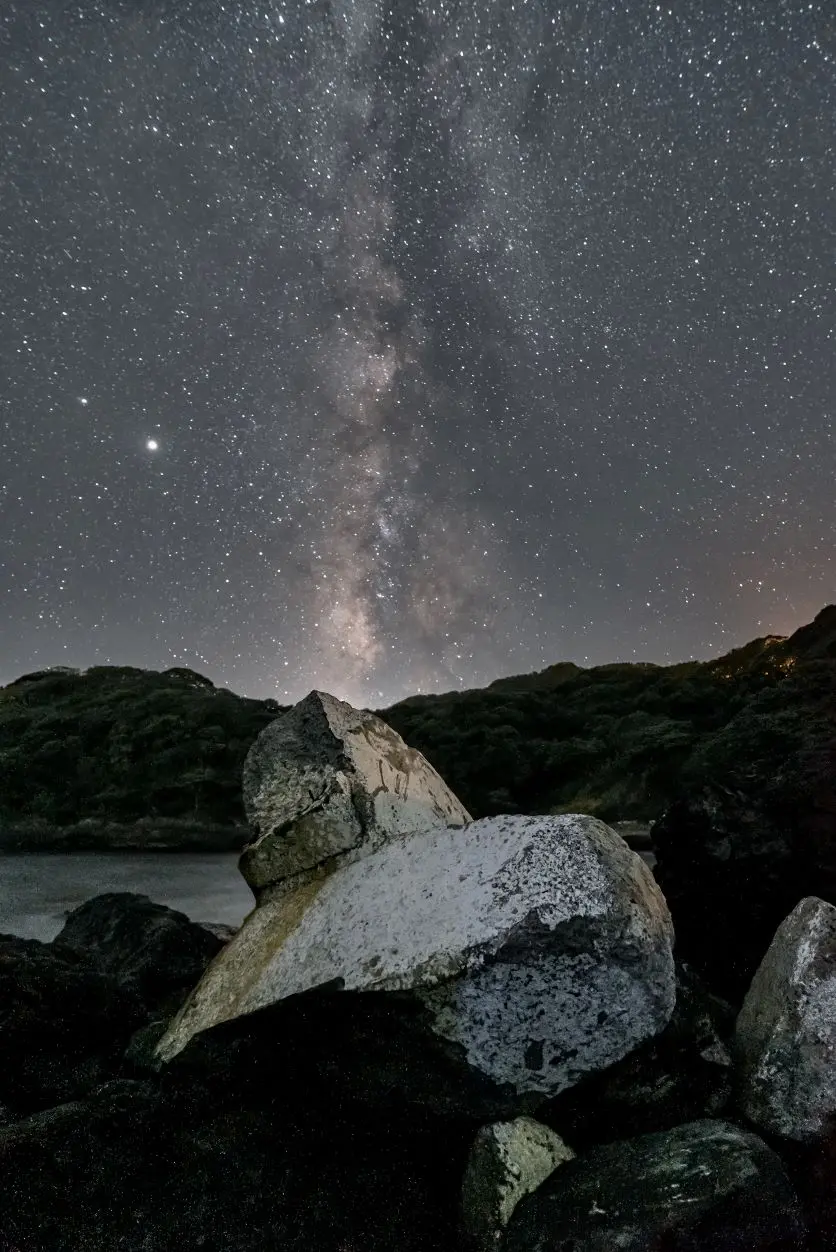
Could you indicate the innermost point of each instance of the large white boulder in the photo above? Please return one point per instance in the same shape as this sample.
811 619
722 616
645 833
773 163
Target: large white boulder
538 949
785 1037
327 780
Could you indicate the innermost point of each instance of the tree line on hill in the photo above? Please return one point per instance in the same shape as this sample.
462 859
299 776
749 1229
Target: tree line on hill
85 753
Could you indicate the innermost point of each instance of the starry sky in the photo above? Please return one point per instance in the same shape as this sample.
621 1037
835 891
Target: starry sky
388 346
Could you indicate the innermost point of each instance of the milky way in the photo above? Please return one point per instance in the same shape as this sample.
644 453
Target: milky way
388 347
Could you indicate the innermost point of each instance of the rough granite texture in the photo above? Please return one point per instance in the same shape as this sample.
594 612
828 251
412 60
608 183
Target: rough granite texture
540 947
508 1160
706 1186
327 779
785 1038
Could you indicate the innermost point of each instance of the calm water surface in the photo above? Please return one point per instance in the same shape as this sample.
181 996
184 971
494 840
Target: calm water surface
37 891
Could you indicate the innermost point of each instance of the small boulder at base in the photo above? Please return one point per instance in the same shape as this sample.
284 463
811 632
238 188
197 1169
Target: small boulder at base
162 952
705 1185
508 1160
537 949
326 780
785 1037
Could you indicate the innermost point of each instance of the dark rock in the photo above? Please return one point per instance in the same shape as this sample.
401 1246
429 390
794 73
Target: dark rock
223 1167
812 1168
63 1024
755 828
683 1074
162 951
140 1052
706 1186
221 930
727 872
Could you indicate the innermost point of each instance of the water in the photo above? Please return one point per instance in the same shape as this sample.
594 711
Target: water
37 891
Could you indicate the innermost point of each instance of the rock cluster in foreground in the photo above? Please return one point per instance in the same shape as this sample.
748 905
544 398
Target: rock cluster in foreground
531 951
430 1034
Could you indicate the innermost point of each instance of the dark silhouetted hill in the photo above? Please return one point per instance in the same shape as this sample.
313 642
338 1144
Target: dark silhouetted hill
121 757
622 741
118 756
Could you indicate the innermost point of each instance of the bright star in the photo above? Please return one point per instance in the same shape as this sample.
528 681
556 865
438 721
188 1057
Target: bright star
151 445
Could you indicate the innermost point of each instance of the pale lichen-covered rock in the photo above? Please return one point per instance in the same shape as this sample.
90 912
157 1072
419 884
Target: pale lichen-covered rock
508 1160
785 1038
326 780
538 948
705 1185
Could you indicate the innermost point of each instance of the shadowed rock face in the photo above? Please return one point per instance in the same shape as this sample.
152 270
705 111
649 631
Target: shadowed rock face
785 1038
537 949
754 830
325 780
64 1023
681 1075
706 1185
159 950
213 1165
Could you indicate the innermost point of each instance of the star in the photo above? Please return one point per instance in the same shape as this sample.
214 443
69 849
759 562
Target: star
483 336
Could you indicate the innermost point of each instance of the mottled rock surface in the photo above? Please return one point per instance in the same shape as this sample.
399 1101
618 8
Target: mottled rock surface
683 1074
158 949
785 1038
706 1186
508 1160
537 948
325 780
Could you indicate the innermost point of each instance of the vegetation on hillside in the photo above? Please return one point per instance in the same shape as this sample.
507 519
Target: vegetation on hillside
616 741
118 745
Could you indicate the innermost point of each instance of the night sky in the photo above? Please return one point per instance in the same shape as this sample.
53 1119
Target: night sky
394 346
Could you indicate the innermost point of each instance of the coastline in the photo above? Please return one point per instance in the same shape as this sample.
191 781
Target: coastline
145 835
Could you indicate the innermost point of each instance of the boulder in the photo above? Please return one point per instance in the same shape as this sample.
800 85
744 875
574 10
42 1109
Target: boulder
221 930
682 1074
157 1165
158 949
719 846
327 780
705 1185
64 1024
531 950
508 1160
755 829
785 1037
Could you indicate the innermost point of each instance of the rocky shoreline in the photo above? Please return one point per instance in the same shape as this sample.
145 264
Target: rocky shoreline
430 1035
